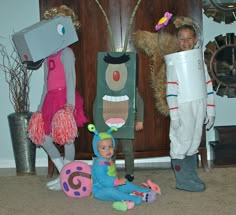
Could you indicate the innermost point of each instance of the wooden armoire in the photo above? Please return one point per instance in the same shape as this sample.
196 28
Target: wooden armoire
93 35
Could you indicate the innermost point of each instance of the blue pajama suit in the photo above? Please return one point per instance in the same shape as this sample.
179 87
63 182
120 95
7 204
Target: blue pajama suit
104 183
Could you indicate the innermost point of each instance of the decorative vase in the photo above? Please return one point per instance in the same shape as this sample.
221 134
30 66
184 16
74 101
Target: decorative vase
24 149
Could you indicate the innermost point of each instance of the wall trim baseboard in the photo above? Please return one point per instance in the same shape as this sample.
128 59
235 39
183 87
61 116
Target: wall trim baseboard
43 162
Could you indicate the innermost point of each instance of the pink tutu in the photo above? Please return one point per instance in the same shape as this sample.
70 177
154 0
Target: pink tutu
56 100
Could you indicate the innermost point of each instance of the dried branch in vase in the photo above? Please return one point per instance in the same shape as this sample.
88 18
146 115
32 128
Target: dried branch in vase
17 77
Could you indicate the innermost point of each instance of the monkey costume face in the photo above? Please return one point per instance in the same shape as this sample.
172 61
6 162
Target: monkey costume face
156 45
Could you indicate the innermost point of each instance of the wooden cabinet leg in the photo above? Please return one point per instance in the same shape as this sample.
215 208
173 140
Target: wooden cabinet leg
202 150
203 155
50 167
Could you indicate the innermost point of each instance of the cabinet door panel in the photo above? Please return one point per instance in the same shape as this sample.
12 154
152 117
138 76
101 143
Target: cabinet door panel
94 37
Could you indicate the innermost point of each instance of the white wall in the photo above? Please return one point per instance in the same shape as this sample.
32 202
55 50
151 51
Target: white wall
14 16
18 14
225 107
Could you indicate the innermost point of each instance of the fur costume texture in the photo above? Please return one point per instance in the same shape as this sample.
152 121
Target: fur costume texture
156 45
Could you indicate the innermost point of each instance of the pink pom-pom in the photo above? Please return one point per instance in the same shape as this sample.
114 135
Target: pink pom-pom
36 128
64 128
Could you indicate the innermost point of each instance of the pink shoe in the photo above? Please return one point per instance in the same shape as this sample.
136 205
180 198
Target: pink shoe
130 204
154 187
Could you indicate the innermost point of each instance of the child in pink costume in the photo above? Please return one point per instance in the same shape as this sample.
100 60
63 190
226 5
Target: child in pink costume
58 93
60 111
59 89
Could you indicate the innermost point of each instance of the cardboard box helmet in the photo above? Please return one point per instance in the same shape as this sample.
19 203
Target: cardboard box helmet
44 38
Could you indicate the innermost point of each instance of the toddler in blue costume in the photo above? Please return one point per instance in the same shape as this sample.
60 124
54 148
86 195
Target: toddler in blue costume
106 185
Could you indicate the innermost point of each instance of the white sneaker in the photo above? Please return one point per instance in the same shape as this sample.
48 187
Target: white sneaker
54 181
55 187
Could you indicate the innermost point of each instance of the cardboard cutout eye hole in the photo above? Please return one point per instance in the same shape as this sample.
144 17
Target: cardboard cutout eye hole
61 29
116 76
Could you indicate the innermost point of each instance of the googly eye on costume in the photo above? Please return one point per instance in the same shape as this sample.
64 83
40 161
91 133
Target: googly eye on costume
60 29
92 128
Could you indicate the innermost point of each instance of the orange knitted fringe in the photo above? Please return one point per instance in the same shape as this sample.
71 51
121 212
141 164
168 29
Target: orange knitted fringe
36 128
64 128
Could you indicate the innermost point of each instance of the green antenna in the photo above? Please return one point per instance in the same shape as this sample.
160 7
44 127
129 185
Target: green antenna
128 29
